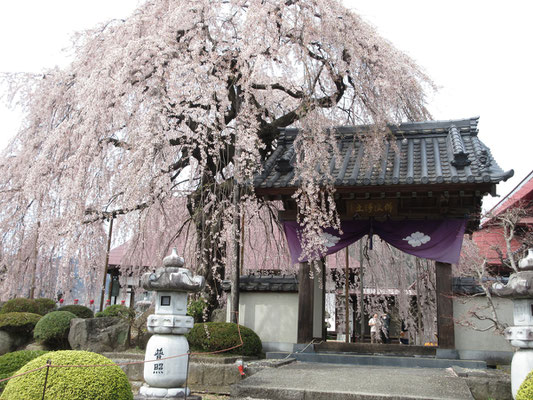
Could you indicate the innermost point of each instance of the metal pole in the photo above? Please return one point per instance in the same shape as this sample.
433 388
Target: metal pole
110 233
347 298
361 287
48 363
187 376
418 304
242 243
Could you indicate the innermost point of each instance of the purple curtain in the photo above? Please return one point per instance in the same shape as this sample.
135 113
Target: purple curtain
438 240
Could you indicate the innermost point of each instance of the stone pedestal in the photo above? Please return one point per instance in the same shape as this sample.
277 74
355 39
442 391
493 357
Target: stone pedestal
520 290
164 371
521 365
166 357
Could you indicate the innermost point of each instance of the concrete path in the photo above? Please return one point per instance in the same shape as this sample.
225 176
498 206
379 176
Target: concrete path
315 381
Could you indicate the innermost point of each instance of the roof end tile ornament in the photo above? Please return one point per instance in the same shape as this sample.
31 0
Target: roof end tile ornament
284 165
455 141
484 159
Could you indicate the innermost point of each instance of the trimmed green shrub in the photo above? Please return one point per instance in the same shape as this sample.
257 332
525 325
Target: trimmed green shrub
19 322
213 336
89 383
78 310
45 305
525 392
117 310
52 329
20 304
12 362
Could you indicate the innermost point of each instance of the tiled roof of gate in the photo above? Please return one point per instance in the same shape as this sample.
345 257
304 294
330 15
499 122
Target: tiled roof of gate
432 152
265 283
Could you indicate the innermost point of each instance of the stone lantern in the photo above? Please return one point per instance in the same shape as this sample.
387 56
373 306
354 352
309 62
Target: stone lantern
520 290
164 376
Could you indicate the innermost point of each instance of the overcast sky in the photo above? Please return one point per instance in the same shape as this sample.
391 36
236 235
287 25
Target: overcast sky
478 52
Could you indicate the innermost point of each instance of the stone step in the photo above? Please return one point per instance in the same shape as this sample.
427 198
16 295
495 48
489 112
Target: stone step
369 348
316 381
378 360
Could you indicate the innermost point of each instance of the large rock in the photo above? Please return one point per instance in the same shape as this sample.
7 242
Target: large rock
99 334
6 343
11 341
34 346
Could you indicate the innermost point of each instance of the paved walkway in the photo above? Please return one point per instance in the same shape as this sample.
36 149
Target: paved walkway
314 381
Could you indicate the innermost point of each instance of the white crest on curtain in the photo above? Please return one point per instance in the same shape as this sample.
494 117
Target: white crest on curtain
417 239
331 240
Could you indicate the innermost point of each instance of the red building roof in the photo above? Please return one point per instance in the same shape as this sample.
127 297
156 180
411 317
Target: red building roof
521 195
490 237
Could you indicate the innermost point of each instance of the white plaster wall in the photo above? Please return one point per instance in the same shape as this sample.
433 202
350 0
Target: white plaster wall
470 339
273 316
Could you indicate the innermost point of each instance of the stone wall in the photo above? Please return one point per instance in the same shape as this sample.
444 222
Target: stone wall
206 374
272 315
478 344
212 378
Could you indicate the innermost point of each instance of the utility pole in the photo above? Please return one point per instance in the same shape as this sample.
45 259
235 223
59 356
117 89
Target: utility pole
235 281
35 261
234 295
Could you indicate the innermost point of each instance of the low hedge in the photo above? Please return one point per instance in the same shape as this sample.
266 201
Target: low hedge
45 305
19 322
12 362
52 329
525 392
117 310
90 383
20 304
78 310
214 336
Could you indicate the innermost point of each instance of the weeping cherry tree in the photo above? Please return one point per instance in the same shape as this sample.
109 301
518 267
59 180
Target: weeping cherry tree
161 116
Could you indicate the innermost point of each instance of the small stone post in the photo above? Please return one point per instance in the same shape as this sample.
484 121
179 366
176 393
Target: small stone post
165 377
520 290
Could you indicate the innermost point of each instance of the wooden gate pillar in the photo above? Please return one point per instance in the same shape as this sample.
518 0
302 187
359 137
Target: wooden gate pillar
445 324
311 303
305 304
319 301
